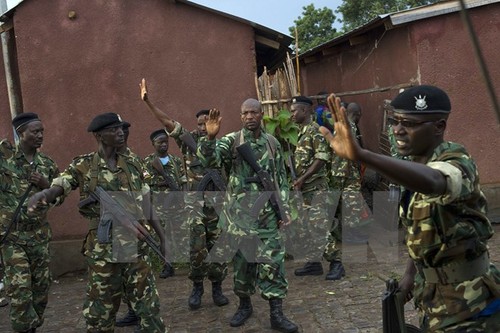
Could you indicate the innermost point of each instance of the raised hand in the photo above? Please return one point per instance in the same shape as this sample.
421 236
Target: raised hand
144 90
213 123
342 142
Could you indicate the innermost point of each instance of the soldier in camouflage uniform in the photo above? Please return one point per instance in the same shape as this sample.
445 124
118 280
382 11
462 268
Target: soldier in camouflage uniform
264 265
311 158
122 265
166 180
201 215
455 285
25 236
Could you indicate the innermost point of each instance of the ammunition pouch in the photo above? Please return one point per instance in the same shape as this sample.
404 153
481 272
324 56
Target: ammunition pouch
104 228
456 272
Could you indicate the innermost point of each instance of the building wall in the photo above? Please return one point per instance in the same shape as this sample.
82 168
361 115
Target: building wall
74 69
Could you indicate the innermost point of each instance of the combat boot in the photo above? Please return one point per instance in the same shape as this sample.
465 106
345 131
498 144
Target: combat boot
336 272
310 268
217 295
278 320
130 319
195 298
167 271
243 313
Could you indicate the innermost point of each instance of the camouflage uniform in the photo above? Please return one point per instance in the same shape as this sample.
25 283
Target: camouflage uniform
25 252
243 230
345 177
202 218
167 204
316 215
447 240
114 270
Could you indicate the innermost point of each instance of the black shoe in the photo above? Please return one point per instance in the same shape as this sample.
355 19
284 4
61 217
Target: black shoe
310 268
130 319
3 302
243 313
195 298
278 320
168 271
336 272
217 295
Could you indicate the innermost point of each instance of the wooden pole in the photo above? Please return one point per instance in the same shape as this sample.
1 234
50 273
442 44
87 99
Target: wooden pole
297 58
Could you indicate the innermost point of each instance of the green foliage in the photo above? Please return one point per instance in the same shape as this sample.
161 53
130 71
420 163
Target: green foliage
282 127
314 27
358 12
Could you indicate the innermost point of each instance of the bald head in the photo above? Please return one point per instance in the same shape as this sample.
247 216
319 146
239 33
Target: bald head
251 103
353 112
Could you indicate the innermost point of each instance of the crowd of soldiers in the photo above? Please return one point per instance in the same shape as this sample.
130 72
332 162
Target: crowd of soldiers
229 199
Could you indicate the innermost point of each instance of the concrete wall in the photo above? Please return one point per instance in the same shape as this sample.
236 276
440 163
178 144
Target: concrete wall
74 69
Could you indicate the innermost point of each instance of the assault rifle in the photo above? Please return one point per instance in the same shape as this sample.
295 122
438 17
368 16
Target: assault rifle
170 182
118 214
264 179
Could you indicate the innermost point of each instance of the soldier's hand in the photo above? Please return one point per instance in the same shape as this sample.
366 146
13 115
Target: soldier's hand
297 184
213 123
38 180
35 200
285 222
144 90
343 142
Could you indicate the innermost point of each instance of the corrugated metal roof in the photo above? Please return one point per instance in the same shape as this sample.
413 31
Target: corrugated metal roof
393 20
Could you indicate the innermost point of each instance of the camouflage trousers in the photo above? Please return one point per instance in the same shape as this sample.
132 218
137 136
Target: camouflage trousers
265 268
176 228
106 283
313 226
204 233
483 324
27 280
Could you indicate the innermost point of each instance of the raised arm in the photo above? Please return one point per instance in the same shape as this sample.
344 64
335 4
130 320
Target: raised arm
414 176
159 114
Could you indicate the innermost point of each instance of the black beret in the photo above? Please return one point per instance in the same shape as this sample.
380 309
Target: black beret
23 119
422 99
157 133
302 100
126 124
202 113
105 120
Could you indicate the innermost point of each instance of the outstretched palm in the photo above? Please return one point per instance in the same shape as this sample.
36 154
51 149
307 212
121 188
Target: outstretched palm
343 142
144 90
213 123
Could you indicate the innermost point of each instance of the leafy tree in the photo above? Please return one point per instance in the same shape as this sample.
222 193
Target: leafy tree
358 12
314 27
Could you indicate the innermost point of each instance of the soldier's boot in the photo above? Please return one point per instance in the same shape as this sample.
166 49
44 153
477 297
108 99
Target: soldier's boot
278 320
243 313
130 319
310 268
336 272
168 271
195 298
217 295
3 302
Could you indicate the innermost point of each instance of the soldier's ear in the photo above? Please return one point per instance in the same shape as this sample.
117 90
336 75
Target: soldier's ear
440 126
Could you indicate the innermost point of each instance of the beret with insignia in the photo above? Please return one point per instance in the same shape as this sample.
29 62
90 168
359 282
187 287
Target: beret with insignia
302 100
202 113
105 120
23 119
422 100
157 133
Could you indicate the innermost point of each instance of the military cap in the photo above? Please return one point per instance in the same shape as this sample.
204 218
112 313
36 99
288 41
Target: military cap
302 100
126 124
105 120
202 113
157 133
23 119
422 99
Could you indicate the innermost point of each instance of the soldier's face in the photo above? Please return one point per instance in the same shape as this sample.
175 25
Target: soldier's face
300 113
416 135
202 129
32 134
112 137
251 117
161 144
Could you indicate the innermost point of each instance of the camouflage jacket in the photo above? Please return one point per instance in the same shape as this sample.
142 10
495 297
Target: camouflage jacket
174 168
344 168
312 146
194 170
242 193
446 231
15 174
